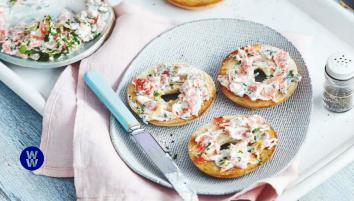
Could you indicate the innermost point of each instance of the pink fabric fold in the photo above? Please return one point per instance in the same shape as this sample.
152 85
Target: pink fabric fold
75 136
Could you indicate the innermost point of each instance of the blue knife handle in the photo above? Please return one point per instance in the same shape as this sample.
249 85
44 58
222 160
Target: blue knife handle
110 99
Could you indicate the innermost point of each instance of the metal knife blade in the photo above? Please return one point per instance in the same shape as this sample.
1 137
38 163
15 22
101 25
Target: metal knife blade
165 164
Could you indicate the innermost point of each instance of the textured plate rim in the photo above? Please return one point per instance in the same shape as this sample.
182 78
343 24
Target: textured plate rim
27 63
156 179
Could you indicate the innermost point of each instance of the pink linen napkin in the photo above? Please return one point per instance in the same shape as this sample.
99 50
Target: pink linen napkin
75 136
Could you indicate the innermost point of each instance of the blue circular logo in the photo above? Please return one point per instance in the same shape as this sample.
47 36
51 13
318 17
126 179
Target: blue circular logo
32 158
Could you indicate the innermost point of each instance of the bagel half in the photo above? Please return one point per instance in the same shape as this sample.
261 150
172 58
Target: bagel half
194 4
132 101
211 169
244 100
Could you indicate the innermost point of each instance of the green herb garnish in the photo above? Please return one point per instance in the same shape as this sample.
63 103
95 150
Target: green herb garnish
289 75
12 2
23 48
256 130
156 93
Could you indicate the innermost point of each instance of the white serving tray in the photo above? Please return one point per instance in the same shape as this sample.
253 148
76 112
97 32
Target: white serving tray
329 145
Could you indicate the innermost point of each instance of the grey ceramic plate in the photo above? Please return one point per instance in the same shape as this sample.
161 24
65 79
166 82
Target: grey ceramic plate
86 50
205 44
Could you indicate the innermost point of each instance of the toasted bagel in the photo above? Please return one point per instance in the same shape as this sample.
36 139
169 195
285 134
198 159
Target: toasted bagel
244 100
209 167
176 120
194 4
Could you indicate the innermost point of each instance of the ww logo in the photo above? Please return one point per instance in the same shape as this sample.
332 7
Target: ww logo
32 158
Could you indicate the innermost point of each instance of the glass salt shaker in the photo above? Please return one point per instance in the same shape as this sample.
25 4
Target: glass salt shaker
339 83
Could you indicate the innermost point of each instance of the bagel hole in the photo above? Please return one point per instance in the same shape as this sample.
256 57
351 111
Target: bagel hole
169 97
259 75
225 146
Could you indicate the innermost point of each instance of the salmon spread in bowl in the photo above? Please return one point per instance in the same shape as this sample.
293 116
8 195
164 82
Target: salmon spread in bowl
50 38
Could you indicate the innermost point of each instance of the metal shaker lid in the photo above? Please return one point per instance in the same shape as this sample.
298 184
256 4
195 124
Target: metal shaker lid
340 66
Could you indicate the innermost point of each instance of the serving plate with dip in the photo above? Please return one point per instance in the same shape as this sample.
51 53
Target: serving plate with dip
205 44
34 10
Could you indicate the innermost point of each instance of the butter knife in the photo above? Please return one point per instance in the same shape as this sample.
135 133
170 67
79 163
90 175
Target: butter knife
149 145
